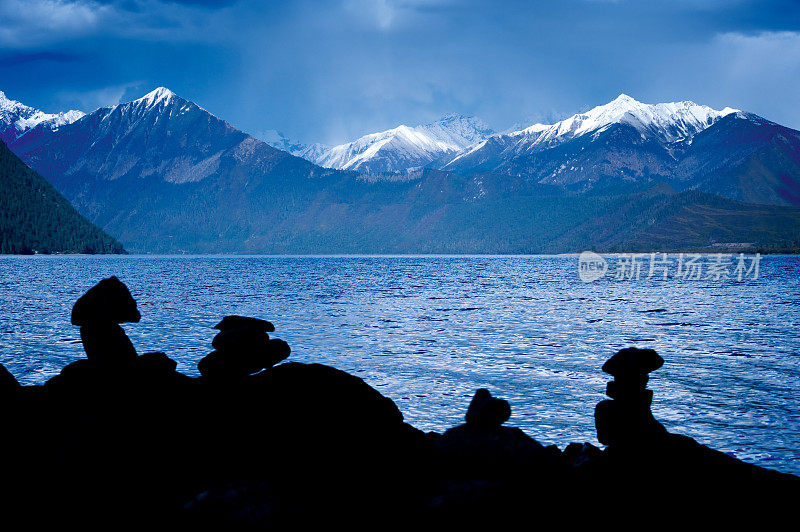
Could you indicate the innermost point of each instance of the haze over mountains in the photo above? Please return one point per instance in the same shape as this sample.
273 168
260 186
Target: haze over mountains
163 175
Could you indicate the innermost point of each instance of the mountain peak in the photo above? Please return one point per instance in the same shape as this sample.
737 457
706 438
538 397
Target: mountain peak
7 103
403 147
17 119
667 121
624 98
156 96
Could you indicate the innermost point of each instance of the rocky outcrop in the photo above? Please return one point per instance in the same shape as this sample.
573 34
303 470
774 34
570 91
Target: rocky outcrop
98 313
243 347
120 438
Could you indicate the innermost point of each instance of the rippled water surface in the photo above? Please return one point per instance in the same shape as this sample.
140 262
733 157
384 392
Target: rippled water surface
428 331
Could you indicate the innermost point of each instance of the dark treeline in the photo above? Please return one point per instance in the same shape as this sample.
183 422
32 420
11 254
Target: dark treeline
35 218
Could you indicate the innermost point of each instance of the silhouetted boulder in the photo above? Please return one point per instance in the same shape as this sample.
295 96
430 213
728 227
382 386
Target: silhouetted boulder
98 313
307 446
107 342
244 322
240 339
473 451
232 364
487 411
156 363
483 448
158 369
627 420
577 455
625 424
243 347
109 301
309 396
8 383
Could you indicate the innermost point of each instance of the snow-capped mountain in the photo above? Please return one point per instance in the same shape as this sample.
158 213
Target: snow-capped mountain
667 122
17 119
137 167
662 122
160 135
164 175
627 143
404 148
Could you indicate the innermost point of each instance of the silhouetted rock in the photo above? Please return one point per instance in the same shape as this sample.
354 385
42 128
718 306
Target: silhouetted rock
157 369
474 451
8 383
156 363
243 347
489 472
483 448
306 446
240 338
107 342
633 361
233 364
98 313
109 301
485 410
80 376
579 454
239 322
627 420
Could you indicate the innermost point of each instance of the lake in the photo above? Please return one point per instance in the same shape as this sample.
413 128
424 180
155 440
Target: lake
427 331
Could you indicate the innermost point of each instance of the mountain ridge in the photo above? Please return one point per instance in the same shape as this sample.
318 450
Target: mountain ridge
18 119
165 175
404 148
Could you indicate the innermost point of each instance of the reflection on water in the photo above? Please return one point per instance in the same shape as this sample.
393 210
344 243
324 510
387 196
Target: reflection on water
428 331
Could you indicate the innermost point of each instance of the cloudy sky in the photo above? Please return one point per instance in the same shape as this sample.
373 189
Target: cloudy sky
332 70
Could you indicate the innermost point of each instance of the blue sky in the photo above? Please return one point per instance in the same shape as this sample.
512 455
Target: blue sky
333 70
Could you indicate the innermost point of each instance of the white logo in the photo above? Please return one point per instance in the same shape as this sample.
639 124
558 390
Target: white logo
591 266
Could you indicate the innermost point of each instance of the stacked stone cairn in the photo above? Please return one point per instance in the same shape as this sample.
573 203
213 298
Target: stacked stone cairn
242 347
98 313
486 411
626 419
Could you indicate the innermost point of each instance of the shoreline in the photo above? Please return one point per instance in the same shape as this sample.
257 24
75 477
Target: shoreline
259 441
400 255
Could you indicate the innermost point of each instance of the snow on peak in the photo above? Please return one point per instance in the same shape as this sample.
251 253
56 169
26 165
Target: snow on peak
154 97
624 98
16 118
8 105
404 147
51 121
668 122
460 131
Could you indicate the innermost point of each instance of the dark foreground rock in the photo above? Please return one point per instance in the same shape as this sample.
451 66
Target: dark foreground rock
120 440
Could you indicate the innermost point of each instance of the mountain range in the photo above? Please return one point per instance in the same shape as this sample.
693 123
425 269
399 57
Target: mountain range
164 175
397 150
693 147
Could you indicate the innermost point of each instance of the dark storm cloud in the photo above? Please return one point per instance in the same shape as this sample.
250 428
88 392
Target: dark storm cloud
332 70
